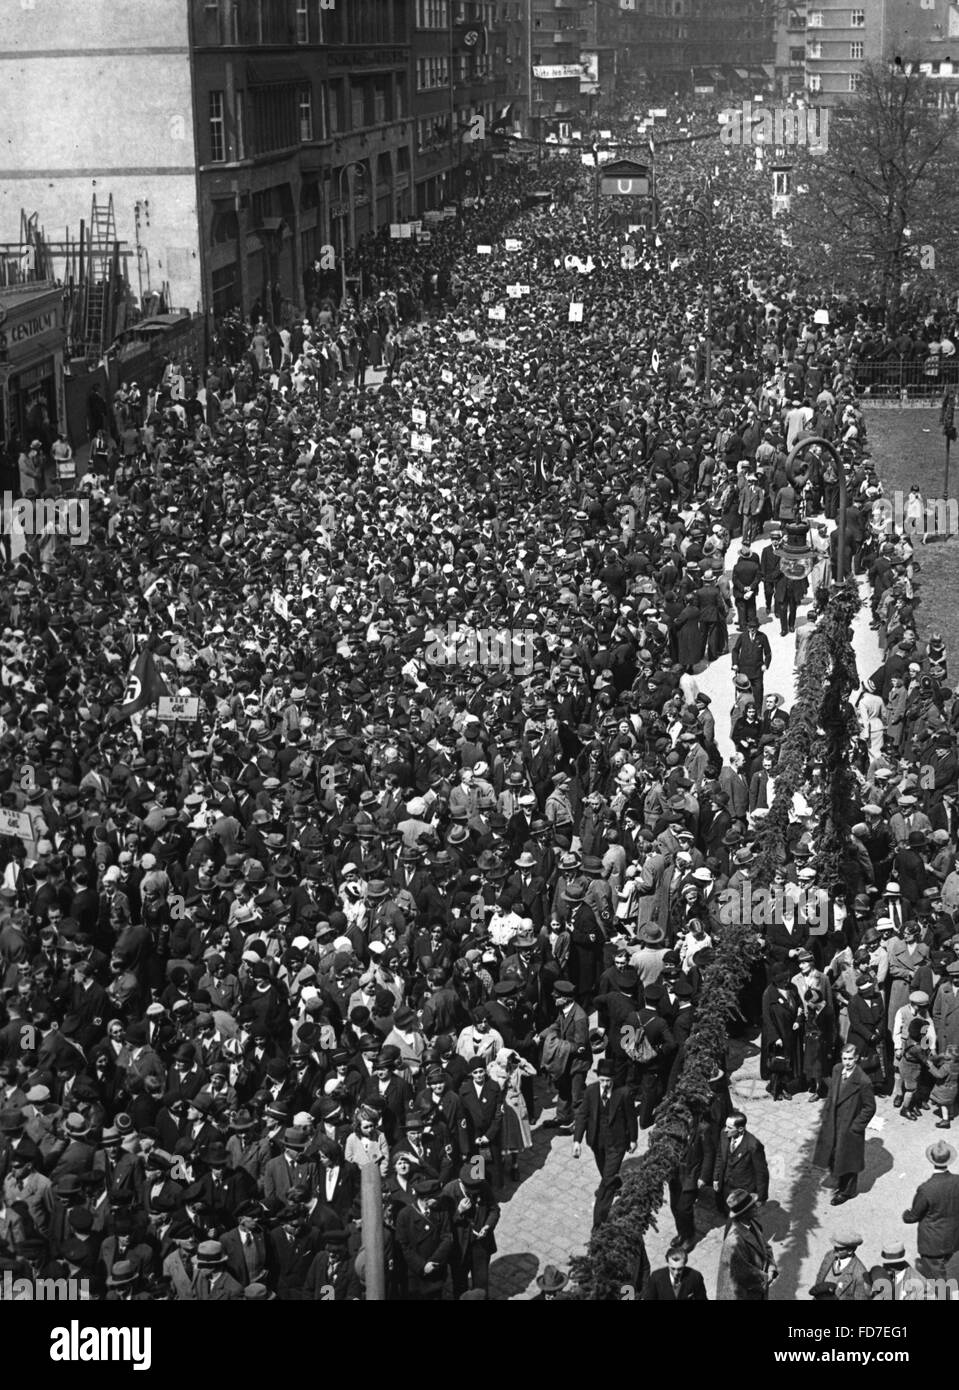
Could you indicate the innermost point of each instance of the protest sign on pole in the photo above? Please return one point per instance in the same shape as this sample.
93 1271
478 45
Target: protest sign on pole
17 823
421 443
173 708
576 313
419 417
281 606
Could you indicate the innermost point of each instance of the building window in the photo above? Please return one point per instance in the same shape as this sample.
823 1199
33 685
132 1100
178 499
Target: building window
781 183
856 50
217 129
855 81
797 56
302 21
814 48
306 115
814 82
815 19
857 20
432 14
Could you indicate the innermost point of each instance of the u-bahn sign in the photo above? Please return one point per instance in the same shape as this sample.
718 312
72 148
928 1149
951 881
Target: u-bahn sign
622 178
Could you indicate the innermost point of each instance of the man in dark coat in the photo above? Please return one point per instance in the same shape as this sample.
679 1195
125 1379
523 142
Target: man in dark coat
607 1119
677 1283
746 580
425 1237
746 1264
751 657
474 1212
936 1208
849 1107
741 1163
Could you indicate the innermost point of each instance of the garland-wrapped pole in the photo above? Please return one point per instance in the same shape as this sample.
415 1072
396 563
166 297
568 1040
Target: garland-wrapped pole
822 703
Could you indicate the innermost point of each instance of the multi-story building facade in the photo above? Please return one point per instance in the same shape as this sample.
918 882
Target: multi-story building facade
304 134
96 98
458 93
823 45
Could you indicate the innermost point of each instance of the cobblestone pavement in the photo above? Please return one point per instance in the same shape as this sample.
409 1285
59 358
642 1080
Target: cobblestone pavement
546 1217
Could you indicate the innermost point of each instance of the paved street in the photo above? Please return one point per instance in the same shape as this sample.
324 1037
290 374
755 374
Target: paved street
548 1219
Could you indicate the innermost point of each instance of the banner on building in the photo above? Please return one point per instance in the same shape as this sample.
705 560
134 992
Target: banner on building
470 37
551 72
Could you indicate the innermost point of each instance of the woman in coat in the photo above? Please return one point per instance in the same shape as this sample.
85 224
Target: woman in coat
905 958
818 1043
867 1030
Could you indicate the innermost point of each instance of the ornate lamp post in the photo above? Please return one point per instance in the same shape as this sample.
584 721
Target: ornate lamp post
816 441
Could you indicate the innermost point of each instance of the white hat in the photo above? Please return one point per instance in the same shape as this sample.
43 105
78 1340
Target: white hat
342 943
300 943
376 948
112 874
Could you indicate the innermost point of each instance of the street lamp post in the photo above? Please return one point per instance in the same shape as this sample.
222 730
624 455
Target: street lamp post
817 441
351 221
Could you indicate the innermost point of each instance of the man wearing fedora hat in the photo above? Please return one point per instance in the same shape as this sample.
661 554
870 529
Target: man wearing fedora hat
214 1283
935 1208
746 1264
895 1280
551 1283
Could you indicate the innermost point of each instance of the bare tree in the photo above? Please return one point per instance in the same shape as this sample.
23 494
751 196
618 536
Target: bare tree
879 205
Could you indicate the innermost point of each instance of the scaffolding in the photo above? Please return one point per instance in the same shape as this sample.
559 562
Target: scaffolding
91 268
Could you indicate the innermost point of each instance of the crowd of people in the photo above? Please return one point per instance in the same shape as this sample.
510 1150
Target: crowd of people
451 833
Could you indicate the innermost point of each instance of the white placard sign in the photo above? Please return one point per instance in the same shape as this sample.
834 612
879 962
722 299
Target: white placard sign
513 243
281 607
467 336
16 823
446 376
484 250
576 313
418 417
498 313
514 291
821 316
497 344
171 708
421 443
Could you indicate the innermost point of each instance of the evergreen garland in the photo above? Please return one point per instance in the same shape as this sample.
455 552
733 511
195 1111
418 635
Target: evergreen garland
822 723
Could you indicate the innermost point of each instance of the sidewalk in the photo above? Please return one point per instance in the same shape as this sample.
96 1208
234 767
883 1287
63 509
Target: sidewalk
547 1220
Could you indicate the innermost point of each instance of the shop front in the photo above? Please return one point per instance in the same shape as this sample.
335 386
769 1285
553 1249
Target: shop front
31 364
